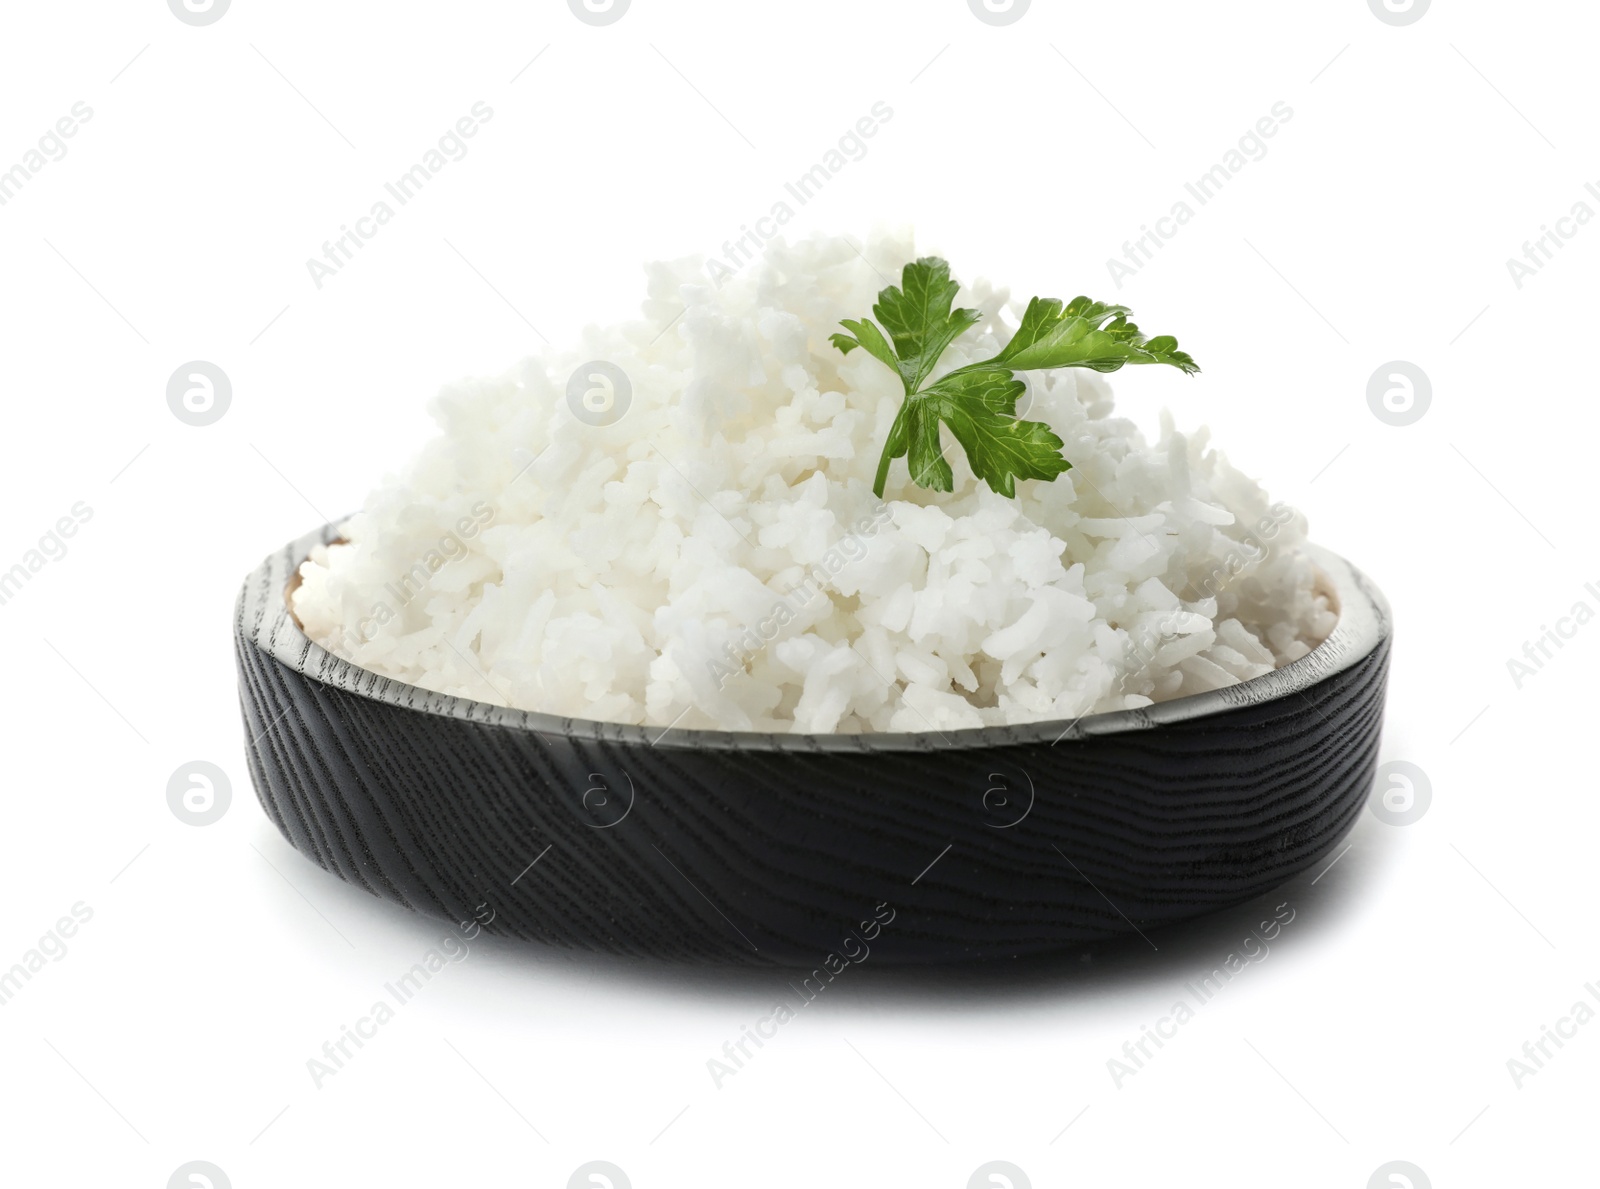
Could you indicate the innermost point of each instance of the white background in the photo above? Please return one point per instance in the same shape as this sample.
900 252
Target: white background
178 1024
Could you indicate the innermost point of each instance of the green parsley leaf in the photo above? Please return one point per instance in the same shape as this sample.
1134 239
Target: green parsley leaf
1085 333
980 407
978 402
867 336
919 320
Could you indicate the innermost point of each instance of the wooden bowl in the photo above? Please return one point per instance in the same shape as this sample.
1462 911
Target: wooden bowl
806 850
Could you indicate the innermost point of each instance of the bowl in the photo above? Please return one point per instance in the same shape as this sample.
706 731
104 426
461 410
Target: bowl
809 851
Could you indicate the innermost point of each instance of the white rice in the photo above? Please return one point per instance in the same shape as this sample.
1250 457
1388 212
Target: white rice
715 557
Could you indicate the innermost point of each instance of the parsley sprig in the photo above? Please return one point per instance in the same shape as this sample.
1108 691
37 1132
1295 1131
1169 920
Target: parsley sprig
978 402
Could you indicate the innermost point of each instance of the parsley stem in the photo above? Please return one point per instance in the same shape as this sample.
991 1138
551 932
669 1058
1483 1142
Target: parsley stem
883 470
893 447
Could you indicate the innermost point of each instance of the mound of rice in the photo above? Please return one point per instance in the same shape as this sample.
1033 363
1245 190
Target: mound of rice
708 552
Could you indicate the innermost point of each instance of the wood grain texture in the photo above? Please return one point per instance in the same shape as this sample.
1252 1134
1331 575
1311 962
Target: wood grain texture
716 847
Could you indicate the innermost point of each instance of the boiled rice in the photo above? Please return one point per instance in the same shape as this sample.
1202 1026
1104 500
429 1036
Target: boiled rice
715 556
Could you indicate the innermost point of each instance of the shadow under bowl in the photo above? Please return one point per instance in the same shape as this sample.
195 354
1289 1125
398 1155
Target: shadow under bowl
711 846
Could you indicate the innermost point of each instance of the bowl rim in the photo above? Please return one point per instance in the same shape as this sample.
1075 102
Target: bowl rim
263 619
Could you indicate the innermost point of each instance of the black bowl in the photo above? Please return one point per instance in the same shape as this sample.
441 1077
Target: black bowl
809 850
